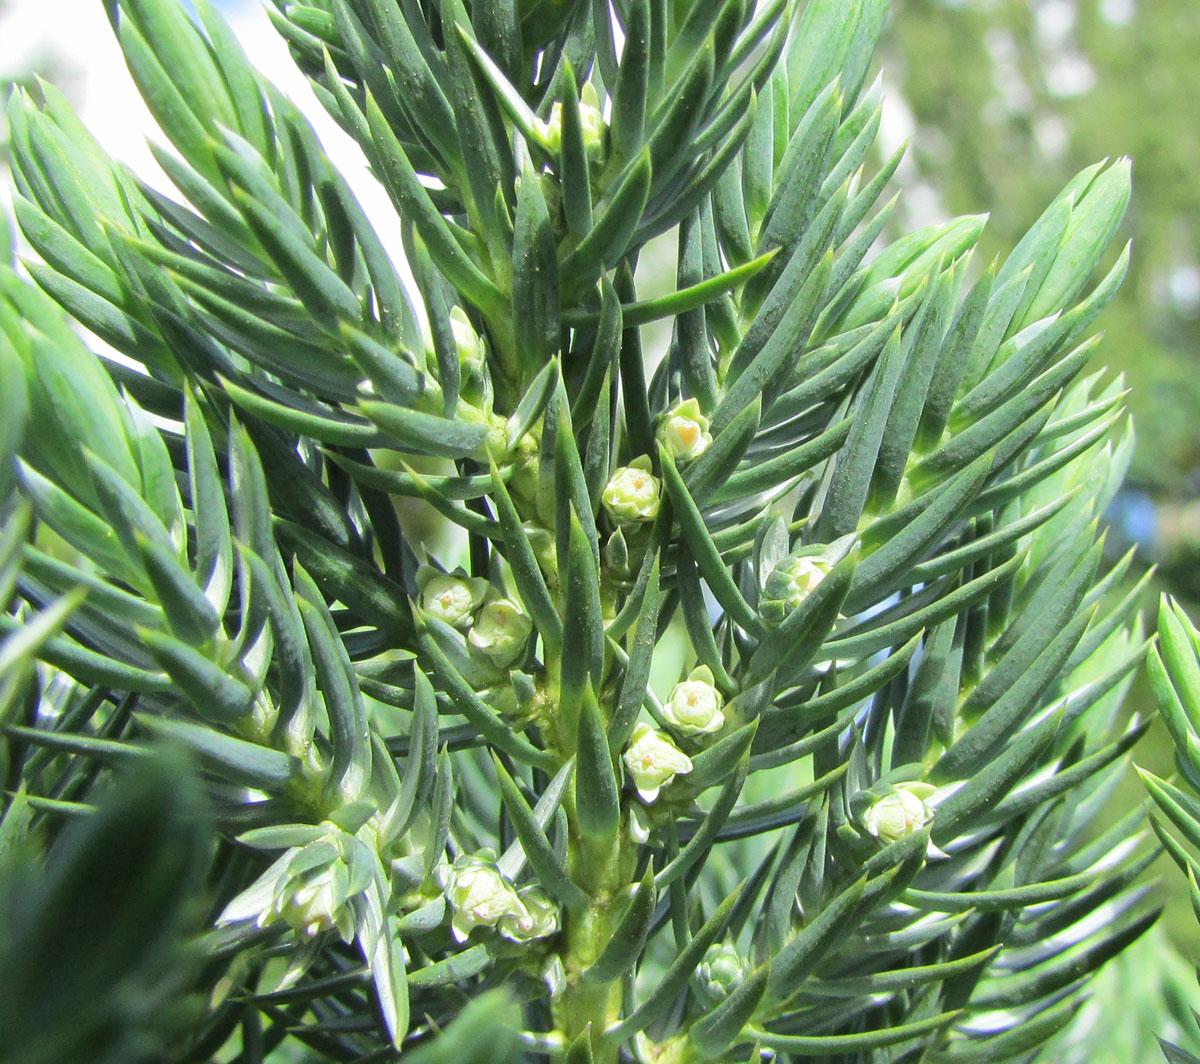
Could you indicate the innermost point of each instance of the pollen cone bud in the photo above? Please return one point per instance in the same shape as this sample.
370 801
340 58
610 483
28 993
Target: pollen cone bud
683 431
632 494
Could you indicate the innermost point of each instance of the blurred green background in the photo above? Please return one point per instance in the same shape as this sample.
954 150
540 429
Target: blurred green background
1005 100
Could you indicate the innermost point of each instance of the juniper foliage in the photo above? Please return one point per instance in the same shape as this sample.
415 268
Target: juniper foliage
861 487
1173 665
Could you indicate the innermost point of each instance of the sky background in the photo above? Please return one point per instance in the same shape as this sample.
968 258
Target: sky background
73 40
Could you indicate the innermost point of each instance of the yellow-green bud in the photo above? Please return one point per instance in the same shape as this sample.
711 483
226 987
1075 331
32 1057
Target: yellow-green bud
790 583
900 812
451 599
722 970
472 351
309 888
683 431
795 579
653 761
501 631
673 1051
480 896
318 904
591 121
632 493
540 918
694 707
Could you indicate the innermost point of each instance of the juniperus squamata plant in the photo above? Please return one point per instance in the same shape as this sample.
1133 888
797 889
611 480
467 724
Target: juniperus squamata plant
764 697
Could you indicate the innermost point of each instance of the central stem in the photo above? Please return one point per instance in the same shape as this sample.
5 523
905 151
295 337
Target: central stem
602 868
603 871
582 1003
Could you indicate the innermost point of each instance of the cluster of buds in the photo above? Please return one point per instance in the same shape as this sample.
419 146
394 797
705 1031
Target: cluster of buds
653 761
694 707
790 583
633 493
480 896
497 627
